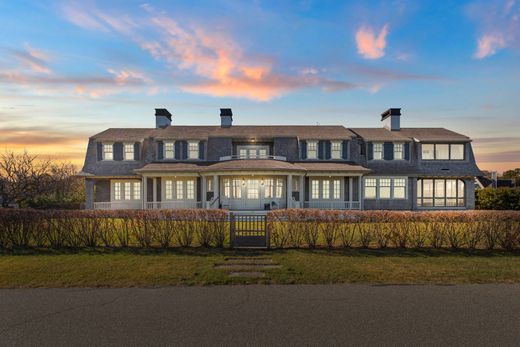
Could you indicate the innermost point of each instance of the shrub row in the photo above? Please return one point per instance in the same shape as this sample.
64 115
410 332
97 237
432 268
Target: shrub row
122 228
380 229
498 199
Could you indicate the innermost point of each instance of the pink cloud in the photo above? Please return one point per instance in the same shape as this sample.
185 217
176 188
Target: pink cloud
488 45
33 59
369 45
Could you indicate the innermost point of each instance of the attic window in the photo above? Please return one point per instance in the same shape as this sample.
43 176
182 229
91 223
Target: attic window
108 151
169 150
193 149
129 151
336 149
312 149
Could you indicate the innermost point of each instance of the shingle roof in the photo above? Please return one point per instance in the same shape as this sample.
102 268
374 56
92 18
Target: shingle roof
406 134
333 167
123 134
172 167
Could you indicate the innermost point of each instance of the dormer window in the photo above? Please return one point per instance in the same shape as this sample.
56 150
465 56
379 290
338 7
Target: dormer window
108 151
193 149
312 149
443 151
128 151
336 149
378 151
398 151
169 150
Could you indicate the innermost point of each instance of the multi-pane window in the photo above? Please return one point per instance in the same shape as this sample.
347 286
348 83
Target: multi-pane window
179 190
128 151
262 152
443 151
378 151
269 188
335 149
242 153
440 193
237 188
117 191
209 182
398 151
315 189
325 189
385 188
137 190
193 149
336 189
252 189
168 190
370 188
169 150
253 152
279 188
227 188
190 189
128 191
296 184
312 149
108 151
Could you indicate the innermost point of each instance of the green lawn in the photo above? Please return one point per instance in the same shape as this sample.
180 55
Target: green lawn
137 267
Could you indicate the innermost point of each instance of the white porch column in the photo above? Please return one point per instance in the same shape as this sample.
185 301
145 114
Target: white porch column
302 191
154 190
360 192
203 190
289 192
216 190
350 186
144 191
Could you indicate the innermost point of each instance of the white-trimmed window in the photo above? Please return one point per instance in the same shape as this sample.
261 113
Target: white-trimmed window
117 190
237 188
370 188
169 150
252 189
242 153
108 151
443 151
440 193
128 190
336 149
399 188
193 149
312 149
325 189
315 189
398 151
269 188
262 152
279 188
128 151
179 190
296 184
190 189
378 150
336 189
385 188
428 151
227 188
209 184
137 190
168 190
457 152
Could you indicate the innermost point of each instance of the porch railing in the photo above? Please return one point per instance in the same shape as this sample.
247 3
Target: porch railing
272 157
332 205
118 205
173 204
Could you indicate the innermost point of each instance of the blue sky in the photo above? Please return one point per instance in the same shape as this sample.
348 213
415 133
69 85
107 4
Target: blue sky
71 69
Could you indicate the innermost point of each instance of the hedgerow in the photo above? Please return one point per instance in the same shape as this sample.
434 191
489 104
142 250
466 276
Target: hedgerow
382 229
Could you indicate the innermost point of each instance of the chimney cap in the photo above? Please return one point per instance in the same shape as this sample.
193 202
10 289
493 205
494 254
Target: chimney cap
391 112
224 112
163 112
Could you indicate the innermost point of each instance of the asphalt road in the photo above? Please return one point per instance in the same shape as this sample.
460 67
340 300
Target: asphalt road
263 315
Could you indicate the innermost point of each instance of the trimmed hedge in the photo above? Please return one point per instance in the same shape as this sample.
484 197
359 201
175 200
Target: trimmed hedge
498 199
121 228
380 229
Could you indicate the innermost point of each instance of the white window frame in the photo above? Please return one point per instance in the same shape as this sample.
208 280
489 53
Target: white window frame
136 190
315 189
399 154
379 155
314 149
169 150
190 189
336 153
376 183
336 189
108 145
192 153
385 188
127 151
450 156
125 190
117 191
441 198
179 190
369 185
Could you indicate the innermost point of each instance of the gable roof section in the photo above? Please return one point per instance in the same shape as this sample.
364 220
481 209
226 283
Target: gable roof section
123 134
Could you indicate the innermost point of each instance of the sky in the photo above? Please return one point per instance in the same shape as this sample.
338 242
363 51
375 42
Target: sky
69 70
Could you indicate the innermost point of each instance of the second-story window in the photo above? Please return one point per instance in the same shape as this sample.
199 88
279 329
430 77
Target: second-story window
442 151
193 149
312 149
398 151
108 151
169 150
378 151
335 149
128 151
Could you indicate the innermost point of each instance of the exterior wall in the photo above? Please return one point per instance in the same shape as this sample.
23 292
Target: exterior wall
469 192
286 147
89 193
102 191
219 147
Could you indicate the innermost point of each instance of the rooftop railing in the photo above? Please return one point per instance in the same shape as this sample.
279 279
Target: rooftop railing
235 157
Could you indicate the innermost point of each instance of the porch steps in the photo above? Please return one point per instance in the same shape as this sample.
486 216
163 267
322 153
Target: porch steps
247 267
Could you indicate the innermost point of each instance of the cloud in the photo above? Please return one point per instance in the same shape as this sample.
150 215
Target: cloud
498 26
215 63
368 44
33 59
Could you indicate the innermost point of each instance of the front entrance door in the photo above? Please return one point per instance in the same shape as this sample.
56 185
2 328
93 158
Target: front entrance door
252 194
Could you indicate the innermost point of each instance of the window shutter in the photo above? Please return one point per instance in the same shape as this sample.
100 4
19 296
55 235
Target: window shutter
118 151
388 150
304 149
344 149
99 149
184 149
201 150
370 154
321 149
406 151
327 149
160 150
137 151
178 149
